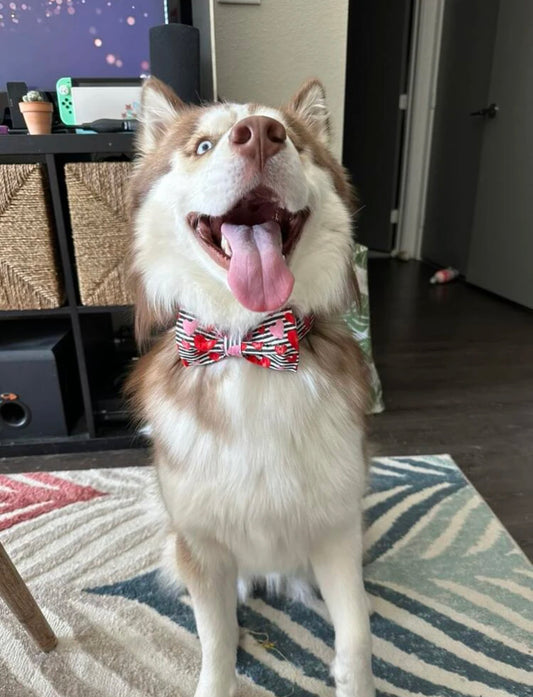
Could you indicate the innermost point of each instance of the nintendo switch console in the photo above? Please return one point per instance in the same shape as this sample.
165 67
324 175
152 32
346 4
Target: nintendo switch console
83 100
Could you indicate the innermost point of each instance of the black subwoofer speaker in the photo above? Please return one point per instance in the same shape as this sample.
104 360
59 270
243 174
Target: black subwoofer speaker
175 59
39 384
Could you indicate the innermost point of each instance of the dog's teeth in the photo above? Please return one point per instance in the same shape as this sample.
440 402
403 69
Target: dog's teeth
225 246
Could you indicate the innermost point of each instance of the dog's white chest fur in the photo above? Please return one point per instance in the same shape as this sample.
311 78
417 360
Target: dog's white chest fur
284 467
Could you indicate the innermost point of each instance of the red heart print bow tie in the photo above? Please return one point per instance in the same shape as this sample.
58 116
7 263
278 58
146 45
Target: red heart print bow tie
273 344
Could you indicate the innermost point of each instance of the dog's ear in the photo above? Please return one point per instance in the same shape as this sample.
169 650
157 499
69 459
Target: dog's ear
159 107
309 104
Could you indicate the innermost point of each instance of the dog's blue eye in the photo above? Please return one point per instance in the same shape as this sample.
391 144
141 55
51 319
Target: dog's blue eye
204 146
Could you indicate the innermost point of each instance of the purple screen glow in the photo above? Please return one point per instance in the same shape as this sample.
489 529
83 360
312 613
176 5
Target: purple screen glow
43 40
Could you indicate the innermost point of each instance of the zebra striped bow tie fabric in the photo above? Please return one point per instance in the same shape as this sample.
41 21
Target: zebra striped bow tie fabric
273 344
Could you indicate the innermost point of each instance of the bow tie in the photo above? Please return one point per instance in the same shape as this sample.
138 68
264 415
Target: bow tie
273 344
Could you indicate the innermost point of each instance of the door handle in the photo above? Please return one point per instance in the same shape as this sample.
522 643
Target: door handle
488 112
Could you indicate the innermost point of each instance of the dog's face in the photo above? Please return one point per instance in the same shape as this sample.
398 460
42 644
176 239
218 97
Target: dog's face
239 209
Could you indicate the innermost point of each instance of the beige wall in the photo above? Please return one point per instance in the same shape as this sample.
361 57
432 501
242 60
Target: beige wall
264 52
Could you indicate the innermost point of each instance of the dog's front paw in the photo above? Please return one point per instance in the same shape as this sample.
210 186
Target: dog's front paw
209 691
352 679
214 688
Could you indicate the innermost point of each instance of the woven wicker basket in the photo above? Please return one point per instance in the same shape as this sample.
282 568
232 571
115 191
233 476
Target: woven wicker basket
100 229
29 274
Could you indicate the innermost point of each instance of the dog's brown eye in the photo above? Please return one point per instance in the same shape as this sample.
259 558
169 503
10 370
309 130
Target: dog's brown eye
203 147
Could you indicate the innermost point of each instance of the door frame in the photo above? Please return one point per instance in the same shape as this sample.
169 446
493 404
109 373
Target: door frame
422 94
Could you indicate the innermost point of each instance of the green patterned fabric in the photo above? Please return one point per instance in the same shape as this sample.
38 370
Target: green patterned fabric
358 320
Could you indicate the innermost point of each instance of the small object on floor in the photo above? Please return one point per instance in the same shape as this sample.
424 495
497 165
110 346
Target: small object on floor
400 254
444 275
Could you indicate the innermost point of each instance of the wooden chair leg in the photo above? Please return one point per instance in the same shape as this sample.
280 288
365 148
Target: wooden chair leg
19 599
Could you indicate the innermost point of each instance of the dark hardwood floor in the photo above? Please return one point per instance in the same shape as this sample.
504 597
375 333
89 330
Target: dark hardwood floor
457 370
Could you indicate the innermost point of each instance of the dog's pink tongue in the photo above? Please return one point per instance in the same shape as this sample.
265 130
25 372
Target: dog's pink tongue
258 275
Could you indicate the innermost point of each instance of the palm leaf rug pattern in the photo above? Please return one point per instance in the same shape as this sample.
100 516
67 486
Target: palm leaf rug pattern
450 594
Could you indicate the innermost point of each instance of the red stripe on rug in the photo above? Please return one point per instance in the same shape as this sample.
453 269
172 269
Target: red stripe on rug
21 501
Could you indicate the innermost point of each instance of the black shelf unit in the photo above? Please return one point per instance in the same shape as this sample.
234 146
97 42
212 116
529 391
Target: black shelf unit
53 151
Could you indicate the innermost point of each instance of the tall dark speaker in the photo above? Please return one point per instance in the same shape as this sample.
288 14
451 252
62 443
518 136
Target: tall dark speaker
39 387
175 59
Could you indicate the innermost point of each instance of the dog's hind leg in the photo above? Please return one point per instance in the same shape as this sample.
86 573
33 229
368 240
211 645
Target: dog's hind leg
338 566
209 571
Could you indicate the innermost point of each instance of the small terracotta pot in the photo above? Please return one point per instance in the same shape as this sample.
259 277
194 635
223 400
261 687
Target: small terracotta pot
38 117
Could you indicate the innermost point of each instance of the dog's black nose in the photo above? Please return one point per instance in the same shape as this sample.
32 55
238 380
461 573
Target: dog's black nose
258 138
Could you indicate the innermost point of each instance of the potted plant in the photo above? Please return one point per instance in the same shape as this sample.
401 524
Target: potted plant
37 113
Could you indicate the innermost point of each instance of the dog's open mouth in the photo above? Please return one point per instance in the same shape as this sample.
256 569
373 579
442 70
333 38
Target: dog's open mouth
252 241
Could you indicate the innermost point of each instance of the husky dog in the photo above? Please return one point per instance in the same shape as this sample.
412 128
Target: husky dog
256 399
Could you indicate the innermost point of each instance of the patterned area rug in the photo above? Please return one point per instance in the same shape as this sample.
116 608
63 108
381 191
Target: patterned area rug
451 594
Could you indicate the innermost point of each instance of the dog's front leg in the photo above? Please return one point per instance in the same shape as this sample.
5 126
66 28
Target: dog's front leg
338 567
210 574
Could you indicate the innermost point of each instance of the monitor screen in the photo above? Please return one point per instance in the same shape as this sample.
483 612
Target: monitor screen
43 40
